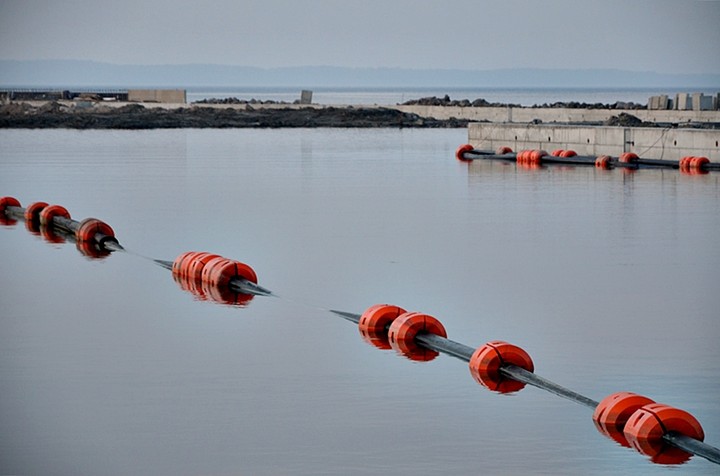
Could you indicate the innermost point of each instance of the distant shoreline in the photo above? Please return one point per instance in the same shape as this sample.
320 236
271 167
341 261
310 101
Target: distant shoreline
423 113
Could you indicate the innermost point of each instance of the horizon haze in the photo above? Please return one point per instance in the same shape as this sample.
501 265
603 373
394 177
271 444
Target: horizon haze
653 37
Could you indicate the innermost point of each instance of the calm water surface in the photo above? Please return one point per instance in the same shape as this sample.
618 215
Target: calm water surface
608 279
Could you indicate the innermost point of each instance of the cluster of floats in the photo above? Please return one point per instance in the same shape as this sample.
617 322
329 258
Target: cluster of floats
535 158
667 435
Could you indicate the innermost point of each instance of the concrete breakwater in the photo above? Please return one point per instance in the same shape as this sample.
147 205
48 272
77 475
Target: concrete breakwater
648 142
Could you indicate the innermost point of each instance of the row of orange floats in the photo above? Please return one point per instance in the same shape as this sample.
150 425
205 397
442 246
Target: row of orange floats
631 420
534 158
39 220
627 418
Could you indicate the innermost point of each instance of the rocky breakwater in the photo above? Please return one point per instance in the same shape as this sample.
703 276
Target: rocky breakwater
137 116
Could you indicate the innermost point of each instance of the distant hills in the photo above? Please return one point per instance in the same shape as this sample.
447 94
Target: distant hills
93 74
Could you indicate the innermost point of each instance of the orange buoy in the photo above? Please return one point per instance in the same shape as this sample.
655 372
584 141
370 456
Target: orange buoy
220 271
648 424
179 264
502 150
568 153
697 163
195 265
628 157
535 156
684 164
486 361
8 202
32 212
460 152
48 213
557 152
602 162
4 203
403 330
377 318
89 227
613 412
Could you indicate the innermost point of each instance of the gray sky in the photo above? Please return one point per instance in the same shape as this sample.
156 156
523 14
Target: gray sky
667 36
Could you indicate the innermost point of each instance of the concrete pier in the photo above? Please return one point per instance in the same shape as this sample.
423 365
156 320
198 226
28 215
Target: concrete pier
647 142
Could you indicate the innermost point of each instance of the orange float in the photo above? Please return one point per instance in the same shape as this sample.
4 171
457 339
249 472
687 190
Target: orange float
603 162
460 152
403 330
220 271
32 212
377 318
195 265
487 360
48 213
647 426
568 153
4 203
502 150
89 227
179 263
557 152
613 412
628 157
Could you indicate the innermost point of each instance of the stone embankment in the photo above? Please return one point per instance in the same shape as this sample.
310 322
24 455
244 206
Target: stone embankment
137 116
421 113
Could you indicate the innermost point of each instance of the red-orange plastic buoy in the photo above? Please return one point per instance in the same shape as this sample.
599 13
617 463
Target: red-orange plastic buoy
195 265
603 162
374 322
377 318
8 202
486 361
697 165
220 271
89 227
32 212
568 153
502 150
613 412
684 164
48 213
647 426
628 157
403 330
460 152
178 265
4 203
557 152
536 156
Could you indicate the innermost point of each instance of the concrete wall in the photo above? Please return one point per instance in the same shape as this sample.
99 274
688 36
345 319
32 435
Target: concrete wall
526 114
647 142
177 96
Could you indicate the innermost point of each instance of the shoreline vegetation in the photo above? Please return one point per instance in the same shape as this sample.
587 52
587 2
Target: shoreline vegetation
91 113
